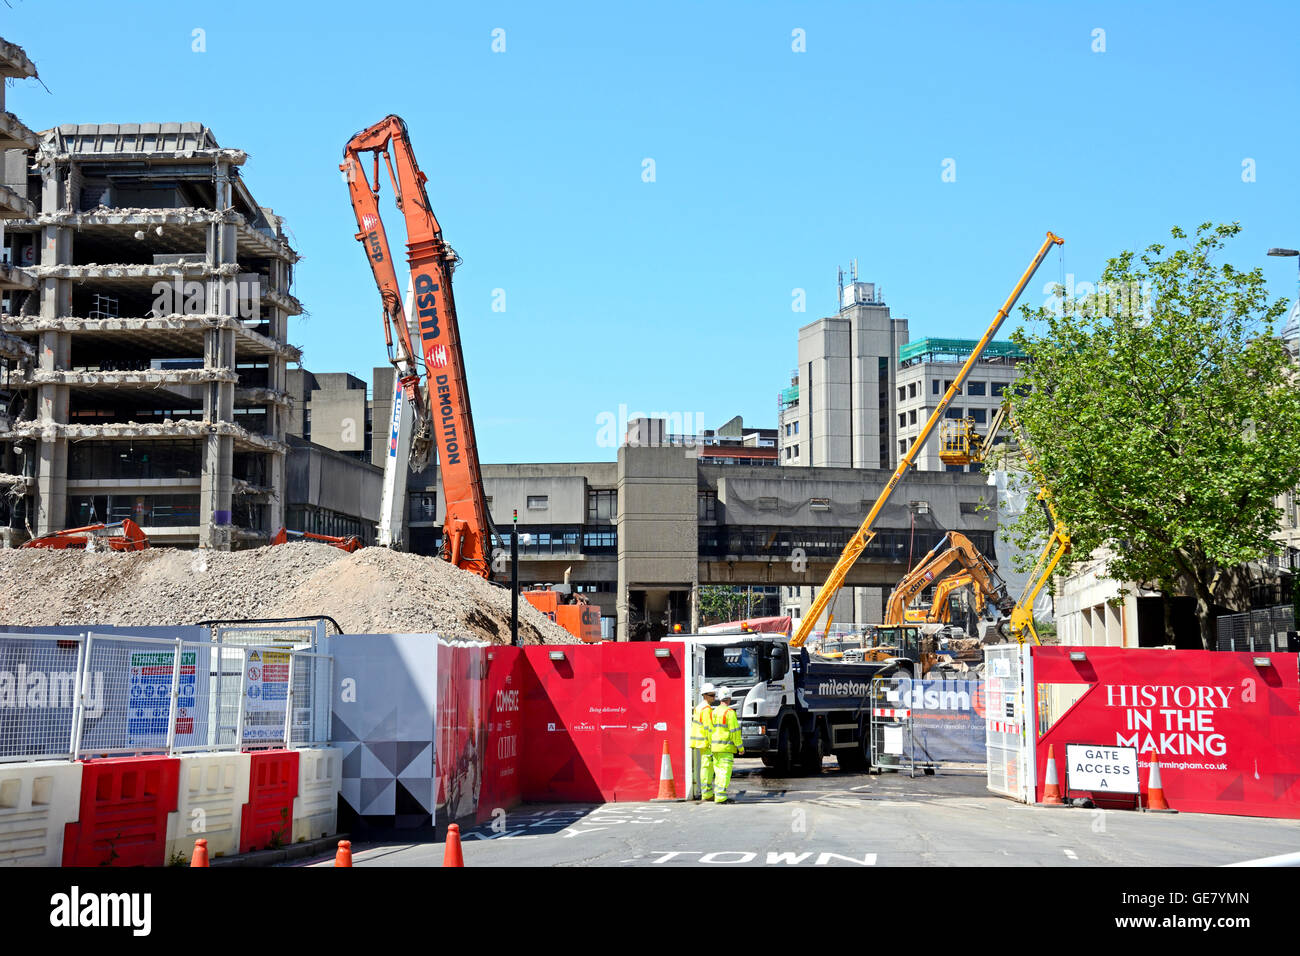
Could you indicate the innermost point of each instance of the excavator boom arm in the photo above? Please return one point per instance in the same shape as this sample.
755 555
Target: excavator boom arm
442 406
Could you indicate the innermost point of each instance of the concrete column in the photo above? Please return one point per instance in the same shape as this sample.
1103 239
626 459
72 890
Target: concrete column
218 450
54 351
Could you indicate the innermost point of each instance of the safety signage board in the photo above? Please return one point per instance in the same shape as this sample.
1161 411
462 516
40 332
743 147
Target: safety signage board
150 692
266 693
1098 767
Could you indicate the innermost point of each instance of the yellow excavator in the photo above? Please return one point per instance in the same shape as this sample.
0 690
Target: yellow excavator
960 444
954 547
904 644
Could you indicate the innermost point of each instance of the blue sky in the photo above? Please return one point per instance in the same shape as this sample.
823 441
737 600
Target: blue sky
772 167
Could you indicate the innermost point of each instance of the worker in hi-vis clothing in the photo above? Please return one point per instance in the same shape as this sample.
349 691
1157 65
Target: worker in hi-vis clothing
702 740
726 744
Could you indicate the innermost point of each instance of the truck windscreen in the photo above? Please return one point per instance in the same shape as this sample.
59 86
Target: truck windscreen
731 663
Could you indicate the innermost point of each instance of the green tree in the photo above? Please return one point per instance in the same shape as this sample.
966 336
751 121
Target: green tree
721 602
1166 417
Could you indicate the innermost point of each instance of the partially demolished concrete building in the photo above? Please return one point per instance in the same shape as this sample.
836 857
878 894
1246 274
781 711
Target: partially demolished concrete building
144 318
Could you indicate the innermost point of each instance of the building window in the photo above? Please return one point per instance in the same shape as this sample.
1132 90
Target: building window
980 415
975 388
953 412
796 451
902 419
902 393
957 468
787 431
788 449
602 505
796 428
997 388
707 505
424 507
539 502
948 384
902 447
969 507
911 417
819 504
934 386
911 390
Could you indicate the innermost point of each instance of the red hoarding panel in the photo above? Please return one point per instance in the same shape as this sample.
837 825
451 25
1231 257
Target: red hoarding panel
461 730
595 721
505 688
1225 729
124 807
642 705
562 759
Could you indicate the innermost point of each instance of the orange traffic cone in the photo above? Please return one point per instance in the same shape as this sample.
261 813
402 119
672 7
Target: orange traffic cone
667 788
344 855
1155 788
1052 787
200 855
451 856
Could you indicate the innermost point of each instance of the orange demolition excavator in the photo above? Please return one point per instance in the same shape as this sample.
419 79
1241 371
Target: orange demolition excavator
433 380
347 543
119 536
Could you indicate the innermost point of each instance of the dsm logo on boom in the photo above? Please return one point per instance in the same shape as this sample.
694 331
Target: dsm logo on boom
426 305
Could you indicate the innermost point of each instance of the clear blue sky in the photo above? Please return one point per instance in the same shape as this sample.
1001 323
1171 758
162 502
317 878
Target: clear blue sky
772 167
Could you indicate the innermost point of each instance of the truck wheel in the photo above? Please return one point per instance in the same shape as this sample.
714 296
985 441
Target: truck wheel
783 760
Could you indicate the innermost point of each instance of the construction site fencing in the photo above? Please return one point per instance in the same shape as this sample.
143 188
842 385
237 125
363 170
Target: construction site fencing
1008 692
1263 630
97 695
893 743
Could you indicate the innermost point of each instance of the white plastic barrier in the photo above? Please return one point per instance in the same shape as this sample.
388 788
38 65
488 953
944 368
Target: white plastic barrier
316 808
213 789
37 800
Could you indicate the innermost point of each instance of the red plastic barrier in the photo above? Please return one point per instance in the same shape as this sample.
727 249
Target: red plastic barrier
1223 726
267 818
124 807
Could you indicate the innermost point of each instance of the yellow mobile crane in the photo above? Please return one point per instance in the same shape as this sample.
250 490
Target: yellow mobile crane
960 444
908 645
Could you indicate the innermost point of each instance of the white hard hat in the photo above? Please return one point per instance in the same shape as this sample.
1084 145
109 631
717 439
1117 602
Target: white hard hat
724 693
707 689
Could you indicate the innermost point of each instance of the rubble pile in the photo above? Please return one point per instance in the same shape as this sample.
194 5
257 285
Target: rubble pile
372 591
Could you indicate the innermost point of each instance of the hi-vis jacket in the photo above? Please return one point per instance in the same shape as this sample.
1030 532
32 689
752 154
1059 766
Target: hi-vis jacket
702 727
726 731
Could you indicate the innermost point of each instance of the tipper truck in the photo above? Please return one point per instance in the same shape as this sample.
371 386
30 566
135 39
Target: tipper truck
794 710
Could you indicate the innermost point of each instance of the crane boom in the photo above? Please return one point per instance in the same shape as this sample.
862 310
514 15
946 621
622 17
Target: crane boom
858 543
440 398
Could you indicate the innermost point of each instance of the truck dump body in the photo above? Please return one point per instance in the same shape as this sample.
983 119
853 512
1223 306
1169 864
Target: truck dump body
835 686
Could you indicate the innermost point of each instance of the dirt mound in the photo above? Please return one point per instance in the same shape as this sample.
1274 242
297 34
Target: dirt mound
372 591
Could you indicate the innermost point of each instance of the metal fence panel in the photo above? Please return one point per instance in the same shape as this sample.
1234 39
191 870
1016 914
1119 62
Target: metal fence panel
39 696
1010 766
83 696
1263 630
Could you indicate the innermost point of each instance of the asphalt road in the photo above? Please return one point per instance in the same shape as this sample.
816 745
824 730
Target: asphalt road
846 819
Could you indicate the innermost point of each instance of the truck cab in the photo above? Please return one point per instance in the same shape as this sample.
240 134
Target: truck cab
793 709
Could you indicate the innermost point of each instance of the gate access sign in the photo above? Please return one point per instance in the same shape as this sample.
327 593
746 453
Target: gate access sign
1107 769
